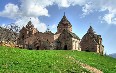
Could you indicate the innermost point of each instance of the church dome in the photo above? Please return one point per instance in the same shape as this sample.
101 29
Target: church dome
29 25
64 22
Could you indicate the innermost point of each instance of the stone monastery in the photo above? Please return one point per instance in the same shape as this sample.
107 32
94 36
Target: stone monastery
63 39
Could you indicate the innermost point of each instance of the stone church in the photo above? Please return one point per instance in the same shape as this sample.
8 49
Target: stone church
92 42
63 39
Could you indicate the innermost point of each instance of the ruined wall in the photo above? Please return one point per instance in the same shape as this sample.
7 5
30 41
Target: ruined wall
46 36
56 36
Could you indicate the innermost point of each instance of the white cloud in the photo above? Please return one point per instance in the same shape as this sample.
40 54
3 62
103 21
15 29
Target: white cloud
110 18
35 21
2 25
22 15
62 3
77 2
87 9
88 6
31 8
36 8
10 11
100 6
53 26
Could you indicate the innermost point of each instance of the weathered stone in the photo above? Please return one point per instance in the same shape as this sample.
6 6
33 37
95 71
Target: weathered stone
92 42
63 39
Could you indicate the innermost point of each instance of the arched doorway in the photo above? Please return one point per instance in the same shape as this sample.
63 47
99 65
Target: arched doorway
29 47
65 47
87 50
37 47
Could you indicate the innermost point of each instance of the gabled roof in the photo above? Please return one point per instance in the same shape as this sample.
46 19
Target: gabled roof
29 24
64 21
74 35
94 37
71 34
23 28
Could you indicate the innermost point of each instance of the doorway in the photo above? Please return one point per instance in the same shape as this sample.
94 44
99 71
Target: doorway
87 50
29 47
65 47
37 47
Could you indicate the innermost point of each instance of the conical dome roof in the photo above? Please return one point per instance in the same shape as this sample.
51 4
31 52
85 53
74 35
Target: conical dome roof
29 24
90 30
64 21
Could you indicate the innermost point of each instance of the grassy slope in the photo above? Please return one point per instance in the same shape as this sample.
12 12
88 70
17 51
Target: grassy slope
103 63
17 60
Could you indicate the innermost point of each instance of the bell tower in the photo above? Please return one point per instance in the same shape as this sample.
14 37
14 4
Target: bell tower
64 24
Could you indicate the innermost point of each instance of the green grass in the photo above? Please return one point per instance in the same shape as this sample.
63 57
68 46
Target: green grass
33 61
51 61
104 63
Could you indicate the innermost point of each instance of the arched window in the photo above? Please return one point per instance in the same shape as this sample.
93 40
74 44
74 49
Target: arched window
22 36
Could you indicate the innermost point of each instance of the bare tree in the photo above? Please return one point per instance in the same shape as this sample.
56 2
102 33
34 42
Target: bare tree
9 33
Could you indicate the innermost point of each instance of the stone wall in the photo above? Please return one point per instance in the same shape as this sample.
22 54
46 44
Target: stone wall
67 42
47 36
64 39
56 36
61 28
92 42
75 44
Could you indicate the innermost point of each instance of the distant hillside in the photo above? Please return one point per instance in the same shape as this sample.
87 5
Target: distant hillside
14 60
113 55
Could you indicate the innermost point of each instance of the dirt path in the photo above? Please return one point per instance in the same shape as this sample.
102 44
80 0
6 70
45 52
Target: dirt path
91 69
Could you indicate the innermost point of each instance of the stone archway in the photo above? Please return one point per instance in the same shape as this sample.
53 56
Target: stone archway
30 48
38 47
65 47
87 50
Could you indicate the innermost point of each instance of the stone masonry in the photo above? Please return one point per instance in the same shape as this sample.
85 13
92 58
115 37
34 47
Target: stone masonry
63 39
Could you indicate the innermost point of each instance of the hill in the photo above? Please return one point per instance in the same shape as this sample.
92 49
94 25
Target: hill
14 60
113 55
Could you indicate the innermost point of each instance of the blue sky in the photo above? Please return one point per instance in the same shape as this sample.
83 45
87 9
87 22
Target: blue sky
100 14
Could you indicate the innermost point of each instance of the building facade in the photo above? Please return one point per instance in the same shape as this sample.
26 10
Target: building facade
63 39
92 42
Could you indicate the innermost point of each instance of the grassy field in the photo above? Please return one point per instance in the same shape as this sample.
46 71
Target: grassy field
51 61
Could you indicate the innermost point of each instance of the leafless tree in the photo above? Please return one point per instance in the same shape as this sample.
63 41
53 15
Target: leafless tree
9 33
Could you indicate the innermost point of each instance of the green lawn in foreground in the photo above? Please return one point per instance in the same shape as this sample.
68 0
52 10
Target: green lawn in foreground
36 61
54 61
